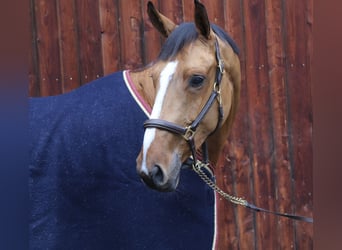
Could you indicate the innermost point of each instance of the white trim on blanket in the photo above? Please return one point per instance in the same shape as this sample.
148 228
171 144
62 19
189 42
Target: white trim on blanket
135 94
215 222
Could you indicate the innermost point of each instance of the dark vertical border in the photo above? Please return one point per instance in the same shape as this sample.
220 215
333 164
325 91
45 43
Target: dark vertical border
14 43
327 103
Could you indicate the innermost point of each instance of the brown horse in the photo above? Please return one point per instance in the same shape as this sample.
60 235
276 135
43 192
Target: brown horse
84 189
177 86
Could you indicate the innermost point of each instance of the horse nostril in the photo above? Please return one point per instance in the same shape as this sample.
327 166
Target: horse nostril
157 175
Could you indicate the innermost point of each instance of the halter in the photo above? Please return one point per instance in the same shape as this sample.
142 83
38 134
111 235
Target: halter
188 133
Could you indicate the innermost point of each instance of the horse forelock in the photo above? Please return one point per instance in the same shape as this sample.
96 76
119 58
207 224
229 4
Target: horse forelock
186 33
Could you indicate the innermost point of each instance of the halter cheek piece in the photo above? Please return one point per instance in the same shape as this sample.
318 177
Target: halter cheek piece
188 133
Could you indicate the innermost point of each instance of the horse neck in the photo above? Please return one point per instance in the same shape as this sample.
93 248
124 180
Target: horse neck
216 143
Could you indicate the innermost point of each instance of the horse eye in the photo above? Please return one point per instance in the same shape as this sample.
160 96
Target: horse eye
196 81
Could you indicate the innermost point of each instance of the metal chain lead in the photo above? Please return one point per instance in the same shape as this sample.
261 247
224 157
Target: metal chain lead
198 169
239 201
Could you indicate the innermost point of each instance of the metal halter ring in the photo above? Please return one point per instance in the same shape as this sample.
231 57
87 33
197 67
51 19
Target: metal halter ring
189 133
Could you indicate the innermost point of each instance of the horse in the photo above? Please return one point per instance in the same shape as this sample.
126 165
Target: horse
108 161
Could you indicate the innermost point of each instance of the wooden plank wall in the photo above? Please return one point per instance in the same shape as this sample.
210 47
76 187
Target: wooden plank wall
268 157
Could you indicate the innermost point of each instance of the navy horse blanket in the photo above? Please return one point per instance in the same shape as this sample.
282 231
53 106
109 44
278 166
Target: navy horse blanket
84 189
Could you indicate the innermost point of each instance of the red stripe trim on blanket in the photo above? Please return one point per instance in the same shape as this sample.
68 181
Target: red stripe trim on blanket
134 92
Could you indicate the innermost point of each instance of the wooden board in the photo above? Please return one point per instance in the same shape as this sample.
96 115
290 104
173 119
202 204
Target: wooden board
131 34
89 36
33 69
47 42
298 51
68 45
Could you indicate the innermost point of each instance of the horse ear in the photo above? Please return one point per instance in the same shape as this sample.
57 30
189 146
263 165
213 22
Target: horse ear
202 20
164 25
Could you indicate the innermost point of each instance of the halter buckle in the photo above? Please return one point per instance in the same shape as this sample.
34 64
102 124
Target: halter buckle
217 89
220 65
189 133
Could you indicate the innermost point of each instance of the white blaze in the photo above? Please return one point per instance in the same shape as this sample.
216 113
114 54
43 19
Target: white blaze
165 77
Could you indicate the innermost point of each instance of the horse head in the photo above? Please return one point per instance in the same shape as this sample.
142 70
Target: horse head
178 85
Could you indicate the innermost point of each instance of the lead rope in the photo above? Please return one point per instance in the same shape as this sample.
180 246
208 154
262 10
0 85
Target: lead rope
236 200
198 169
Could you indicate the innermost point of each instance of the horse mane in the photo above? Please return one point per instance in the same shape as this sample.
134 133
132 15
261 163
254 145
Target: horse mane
186 33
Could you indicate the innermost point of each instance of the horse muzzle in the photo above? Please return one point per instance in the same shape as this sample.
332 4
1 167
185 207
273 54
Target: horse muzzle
163 177
158 180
